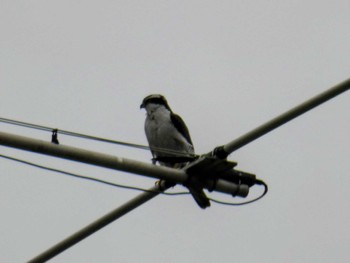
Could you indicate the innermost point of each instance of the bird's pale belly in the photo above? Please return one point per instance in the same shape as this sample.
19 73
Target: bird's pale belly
167 137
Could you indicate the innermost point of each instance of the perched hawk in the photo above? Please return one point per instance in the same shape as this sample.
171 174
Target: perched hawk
169 139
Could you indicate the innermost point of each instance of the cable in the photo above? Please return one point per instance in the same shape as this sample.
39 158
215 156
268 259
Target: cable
259 182
69 133
89 137
86 177
129 187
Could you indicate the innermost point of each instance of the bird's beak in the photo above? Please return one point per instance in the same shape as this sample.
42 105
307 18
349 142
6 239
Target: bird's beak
142 106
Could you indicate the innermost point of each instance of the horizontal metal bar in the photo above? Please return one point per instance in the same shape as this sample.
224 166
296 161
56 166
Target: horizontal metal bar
107 161
91 157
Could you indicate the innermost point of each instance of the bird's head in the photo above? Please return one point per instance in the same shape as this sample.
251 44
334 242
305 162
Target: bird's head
156 99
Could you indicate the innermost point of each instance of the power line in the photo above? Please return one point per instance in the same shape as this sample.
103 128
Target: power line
101 222
85 177
96 180
95 138
69 133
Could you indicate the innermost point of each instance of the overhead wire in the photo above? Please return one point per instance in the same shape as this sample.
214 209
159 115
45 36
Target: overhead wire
69 133
85 177
90 137
96 180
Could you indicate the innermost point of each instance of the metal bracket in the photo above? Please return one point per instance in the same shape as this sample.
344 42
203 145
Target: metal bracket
212 171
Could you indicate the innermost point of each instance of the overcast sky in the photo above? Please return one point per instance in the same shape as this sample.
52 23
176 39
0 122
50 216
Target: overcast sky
225 67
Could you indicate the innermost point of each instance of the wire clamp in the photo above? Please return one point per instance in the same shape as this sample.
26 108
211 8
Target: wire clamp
54 138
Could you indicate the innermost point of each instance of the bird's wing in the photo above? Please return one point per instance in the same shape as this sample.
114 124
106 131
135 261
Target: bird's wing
181 126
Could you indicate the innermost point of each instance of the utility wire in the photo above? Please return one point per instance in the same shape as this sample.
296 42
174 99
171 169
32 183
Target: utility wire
86 177
69 133
90 137
126 186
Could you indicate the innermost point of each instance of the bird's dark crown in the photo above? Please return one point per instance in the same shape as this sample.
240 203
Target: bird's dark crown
156 99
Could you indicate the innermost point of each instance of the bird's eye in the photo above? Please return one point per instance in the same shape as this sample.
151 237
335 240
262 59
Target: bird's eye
155 101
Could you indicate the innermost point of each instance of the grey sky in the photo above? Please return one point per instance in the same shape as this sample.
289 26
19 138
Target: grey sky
225 67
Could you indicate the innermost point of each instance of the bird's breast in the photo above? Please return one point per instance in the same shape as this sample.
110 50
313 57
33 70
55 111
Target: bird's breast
161 133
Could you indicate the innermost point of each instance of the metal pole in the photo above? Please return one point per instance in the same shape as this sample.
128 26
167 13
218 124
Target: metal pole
112 162
97 225
283 118
91 157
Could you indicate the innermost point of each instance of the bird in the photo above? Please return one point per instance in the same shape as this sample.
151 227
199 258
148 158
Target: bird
169 140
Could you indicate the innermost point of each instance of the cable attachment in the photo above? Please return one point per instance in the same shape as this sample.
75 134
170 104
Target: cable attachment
54 138
215 173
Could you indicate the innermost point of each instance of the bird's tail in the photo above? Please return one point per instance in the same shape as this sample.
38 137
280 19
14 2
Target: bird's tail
199 196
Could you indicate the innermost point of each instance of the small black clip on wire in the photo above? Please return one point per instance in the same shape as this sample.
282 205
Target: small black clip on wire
54 136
